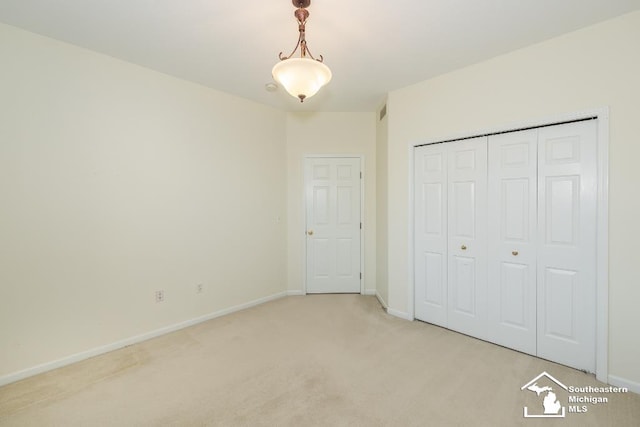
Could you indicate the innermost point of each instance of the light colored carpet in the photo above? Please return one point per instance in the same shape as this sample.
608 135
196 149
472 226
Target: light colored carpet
329 360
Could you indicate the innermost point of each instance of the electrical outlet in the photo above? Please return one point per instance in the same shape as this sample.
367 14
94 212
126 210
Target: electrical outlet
199 288
159 296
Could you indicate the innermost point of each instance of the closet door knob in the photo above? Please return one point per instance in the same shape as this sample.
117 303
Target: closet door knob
463 247
514 253
310 232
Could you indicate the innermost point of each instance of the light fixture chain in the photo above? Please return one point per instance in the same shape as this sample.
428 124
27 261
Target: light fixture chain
301 14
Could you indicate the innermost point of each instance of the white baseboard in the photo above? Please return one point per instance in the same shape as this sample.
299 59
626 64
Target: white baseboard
400 314
369 292
295 293
382 301
621 382
48 366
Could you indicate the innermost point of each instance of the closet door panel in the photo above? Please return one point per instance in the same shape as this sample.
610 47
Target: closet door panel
467 236
430 262
567 191
511 286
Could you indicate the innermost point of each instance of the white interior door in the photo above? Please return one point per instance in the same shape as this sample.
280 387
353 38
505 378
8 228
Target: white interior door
332 188
467 236
567 195
431 233
512 251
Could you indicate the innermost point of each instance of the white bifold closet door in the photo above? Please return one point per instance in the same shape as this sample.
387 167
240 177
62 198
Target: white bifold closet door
450 244
467 240
567 197
512 247
430 273
505 244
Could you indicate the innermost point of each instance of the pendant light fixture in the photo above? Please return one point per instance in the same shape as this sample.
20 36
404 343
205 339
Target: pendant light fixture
302 76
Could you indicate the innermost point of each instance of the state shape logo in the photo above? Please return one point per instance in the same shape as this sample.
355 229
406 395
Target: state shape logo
552 406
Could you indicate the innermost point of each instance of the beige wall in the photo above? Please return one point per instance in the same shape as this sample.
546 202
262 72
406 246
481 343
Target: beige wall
594 67
116 181
382 206
328 133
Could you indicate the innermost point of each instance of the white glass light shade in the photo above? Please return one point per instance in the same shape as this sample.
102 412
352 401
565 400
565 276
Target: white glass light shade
301 77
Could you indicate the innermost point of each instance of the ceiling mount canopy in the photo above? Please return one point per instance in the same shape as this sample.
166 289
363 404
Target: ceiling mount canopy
301 76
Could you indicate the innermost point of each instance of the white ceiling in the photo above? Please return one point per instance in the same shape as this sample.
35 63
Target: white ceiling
371 46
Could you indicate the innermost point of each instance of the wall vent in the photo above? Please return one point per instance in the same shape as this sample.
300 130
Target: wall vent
383 112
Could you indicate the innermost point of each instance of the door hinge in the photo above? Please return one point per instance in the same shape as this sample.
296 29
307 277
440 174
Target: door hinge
360 175
360 226
360 276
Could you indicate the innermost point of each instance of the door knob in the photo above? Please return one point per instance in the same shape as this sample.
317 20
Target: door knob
310 232
514 253
463 247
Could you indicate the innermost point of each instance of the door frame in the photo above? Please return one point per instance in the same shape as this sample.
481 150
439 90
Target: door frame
602 220
303 232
